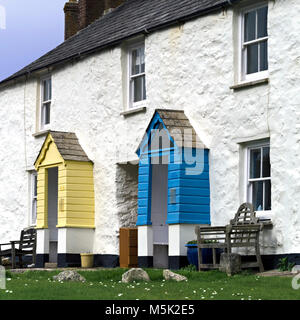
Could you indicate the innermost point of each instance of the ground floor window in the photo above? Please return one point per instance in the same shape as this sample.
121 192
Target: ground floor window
259 176
33 197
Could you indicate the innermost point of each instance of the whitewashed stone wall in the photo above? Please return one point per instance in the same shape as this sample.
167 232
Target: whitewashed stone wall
190 67
16 151
127 190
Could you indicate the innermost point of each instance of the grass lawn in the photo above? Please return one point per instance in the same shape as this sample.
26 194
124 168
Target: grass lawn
106 285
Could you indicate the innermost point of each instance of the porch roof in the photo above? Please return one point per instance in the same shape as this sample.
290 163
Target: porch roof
68 146
179 128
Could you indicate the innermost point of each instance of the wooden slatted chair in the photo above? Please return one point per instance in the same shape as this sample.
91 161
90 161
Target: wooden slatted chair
210 238
20 248
242 231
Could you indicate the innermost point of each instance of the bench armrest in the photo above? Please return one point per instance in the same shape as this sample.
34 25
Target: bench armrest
5 244
9 243
217 234
211 229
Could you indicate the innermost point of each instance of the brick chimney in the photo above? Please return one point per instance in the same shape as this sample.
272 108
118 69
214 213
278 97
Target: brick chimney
112 4
90 10
79 14
71 10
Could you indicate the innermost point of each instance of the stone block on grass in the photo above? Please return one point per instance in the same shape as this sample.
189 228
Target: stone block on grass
135 274
69 275
169 275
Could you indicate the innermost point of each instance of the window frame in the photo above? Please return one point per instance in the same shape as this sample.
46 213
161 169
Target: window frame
243 76
33 197
248 184
131 105
42 124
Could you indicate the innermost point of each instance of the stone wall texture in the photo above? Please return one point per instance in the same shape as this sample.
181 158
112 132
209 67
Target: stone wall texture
127 190
190 67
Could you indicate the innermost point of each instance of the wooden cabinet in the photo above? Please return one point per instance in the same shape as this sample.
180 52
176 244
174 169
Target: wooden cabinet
128 247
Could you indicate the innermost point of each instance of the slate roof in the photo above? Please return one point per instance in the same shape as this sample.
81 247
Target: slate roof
68 146
179 128
132 18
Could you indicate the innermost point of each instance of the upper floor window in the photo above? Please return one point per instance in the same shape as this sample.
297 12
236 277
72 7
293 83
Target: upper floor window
254 44
46 96
137 75
259 176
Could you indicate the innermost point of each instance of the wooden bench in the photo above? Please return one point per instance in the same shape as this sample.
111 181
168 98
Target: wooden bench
242 231
23 247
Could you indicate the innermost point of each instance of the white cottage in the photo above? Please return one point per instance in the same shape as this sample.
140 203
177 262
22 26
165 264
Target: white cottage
214 80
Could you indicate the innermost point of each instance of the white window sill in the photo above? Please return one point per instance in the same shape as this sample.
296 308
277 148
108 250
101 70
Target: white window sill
41 133
249 83
268 214
266 217
265 214
133 111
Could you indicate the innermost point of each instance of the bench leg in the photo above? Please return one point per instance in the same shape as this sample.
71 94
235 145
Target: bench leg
199 258
13 257
258 257
21 261
214 256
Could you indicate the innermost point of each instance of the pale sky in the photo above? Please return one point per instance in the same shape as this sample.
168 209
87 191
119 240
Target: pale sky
28 29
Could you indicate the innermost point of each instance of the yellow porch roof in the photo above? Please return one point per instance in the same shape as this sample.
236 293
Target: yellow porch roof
59 147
